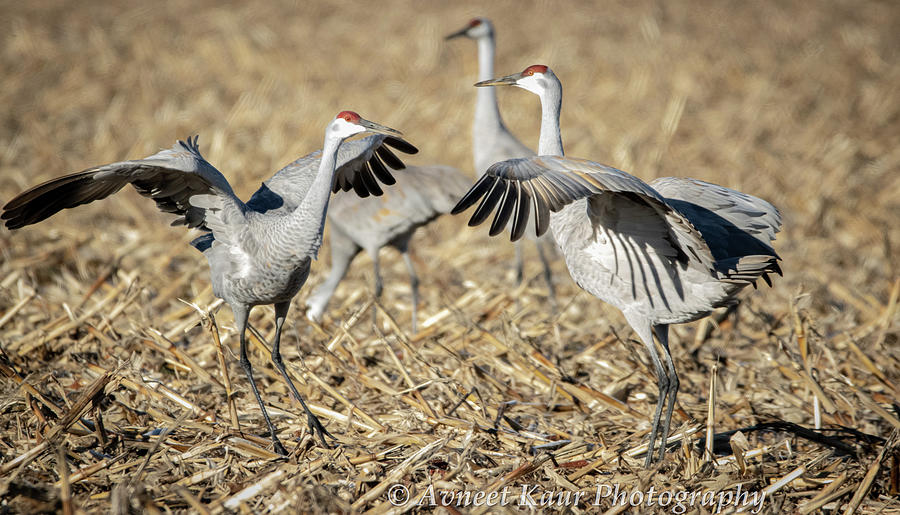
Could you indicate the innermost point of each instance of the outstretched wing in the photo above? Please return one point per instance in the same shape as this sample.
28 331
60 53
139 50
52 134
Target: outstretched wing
170 177
736 211
539 185
361 165
737 227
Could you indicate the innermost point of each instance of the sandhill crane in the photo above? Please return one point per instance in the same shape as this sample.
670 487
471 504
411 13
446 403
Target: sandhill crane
491 140
663 253
422 194
258 252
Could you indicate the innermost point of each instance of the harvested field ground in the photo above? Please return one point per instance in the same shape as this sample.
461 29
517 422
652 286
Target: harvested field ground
112 397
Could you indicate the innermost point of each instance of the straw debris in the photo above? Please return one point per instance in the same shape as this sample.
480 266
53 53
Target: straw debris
120 389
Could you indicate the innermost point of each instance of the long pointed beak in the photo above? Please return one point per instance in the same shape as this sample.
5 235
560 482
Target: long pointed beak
378 128
459 33
509 80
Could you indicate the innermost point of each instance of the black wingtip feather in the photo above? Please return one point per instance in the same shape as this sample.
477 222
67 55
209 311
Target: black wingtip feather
359 188
541 214
401 144
389 158
507 204
370 183
473 195
520 222
51 197
488 203
381 172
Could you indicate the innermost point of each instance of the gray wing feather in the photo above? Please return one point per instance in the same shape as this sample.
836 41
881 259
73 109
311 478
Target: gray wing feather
733 209
737 227
170 177
553 182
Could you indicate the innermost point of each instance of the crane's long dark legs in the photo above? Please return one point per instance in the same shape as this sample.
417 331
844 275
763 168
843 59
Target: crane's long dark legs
240 319
662 333
520 264
414 285
315 426
548 274
379 285
646 335
520 271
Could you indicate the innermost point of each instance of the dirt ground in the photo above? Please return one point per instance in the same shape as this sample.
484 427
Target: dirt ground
112 398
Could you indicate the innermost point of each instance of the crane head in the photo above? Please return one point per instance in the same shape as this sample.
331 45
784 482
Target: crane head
348 123
537 79
476 28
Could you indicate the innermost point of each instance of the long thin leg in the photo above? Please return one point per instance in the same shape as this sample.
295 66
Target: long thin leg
520 271
548 275
240 318
315 426
520 264
414 285
645 332
379 285
662 333
376 269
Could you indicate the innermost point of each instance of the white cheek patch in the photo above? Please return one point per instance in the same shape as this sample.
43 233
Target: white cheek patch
532 84
341 125
344 129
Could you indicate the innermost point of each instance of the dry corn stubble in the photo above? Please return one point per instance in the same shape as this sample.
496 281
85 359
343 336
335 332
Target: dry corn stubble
792 102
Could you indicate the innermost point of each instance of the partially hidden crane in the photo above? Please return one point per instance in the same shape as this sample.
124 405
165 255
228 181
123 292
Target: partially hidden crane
493 142
259 252
421 195
663 253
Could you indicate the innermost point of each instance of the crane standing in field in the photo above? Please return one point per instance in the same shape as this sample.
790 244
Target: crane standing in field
491 140
259 252
663 253
422 194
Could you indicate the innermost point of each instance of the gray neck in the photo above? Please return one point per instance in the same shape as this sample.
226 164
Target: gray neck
486 109
550 143
299 233
487 115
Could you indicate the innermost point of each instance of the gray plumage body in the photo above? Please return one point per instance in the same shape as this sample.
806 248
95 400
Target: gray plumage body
623 253
421 194
663 253
492 141
259 252
283 229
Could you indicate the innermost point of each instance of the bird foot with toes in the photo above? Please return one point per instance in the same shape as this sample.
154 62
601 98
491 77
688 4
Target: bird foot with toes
317 429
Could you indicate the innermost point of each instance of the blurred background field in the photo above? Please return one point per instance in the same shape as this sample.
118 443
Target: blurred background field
794 102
